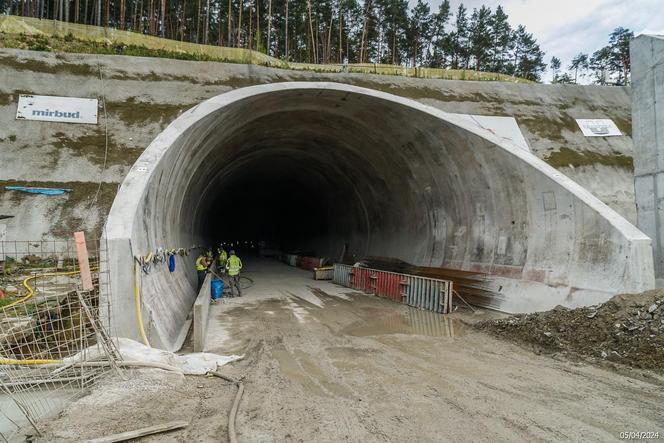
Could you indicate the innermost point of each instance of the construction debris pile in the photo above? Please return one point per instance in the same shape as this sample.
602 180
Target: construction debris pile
628 330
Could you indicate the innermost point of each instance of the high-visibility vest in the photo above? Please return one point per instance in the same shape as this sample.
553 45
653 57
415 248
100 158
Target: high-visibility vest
223 257
200 263
233 265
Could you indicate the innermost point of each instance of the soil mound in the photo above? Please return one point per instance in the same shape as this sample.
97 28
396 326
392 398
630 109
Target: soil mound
628 329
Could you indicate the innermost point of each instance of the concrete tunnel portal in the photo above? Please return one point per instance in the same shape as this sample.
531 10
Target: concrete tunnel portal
332 169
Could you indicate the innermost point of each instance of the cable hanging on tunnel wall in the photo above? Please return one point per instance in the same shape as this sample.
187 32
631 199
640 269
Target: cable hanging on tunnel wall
160 256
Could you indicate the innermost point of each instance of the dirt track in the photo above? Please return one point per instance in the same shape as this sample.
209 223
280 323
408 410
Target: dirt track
322 365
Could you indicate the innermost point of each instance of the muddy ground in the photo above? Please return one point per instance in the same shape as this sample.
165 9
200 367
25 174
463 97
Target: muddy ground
627 331
325 365
147 397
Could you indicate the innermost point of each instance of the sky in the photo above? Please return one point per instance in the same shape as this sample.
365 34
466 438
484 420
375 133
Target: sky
564 28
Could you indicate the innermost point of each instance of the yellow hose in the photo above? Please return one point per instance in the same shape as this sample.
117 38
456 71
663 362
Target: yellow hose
137 294
11 361
31 291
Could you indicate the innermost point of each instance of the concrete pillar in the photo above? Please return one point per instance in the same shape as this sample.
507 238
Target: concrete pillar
647 58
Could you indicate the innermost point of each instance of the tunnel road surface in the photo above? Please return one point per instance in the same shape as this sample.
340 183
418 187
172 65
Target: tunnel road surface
325 364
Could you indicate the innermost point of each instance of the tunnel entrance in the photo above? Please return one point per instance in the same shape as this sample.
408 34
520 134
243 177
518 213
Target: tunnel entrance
288 200
333 169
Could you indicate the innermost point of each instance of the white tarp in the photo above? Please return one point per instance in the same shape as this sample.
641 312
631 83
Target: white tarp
198 363
599 127
57 109
506 128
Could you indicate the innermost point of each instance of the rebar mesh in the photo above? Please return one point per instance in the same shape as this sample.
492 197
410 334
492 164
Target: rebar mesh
53 340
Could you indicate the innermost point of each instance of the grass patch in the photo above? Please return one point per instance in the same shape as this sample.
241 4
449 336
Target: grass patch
566 157
417 92
7 99
92 147
624 124
550 129
43 67
134 112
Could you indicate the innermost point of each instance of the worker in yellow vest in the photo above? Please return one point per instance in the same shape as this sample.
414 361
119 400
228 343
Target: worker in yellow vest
202 264
223 257
233 267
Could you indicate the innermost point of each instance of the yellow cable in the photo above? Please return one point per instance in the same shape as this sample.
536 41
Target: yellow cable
31 291
139 319
11 361
137 294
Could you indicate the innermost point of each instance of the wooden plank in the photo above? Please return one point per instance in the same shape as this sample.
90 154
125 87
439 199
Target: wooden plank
129 435
83 261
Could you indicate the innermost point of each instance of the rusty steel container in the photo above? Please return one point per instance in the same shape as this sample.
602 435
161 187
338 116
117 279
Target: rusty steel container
426 293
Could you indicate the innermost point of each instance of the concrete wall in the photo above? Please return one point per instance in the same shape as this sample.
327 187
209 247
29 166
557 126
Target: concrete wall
412 182
201 313
143 95
647 56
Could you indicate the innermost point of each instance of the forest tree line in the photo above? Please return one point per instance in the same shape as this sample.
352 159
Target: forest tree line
608 65
320 31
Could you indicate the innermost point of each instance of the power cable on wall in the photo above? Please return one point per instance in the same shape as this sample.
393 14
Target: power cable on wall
103 169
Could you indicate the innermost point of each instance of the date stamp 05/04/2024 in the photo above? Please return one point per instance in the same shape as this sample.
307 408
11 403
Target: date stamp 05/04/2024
640 435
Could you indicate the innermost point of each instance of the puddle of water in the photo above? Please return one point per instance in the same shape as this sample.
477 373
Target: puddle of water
411 322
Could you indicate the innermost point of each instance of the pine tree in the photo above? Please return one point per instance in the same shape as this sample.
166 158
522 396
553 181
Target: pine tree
600 64
565 79
579 63
619 44
501 33
527 57
419 32
396 27
480 36
459 37
440 40
555 67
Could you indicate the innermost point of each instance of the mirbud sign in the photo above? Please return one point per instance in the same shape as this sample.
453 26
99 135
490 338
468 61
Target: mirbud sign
57 109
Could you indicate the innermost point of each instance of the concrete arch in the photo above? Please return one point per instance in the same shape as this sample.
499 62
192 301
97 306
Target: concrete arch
324 166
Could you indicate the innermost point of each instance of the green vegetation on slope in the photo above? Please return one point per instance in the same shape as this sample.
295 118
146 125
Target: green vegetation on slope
73 45
566 157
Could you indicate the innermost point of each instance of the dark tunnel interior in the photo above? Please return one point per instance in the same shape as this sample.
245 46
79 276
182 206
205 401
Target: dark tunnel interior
281 211
284 202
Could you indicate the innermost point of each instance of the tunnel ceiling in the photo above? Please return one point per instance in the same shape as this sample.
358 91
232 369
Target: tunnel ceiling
332 169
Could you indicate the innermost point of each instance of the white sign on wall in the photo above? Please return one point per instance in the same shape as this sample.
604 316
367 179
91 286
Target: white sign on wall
598 127
57 109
